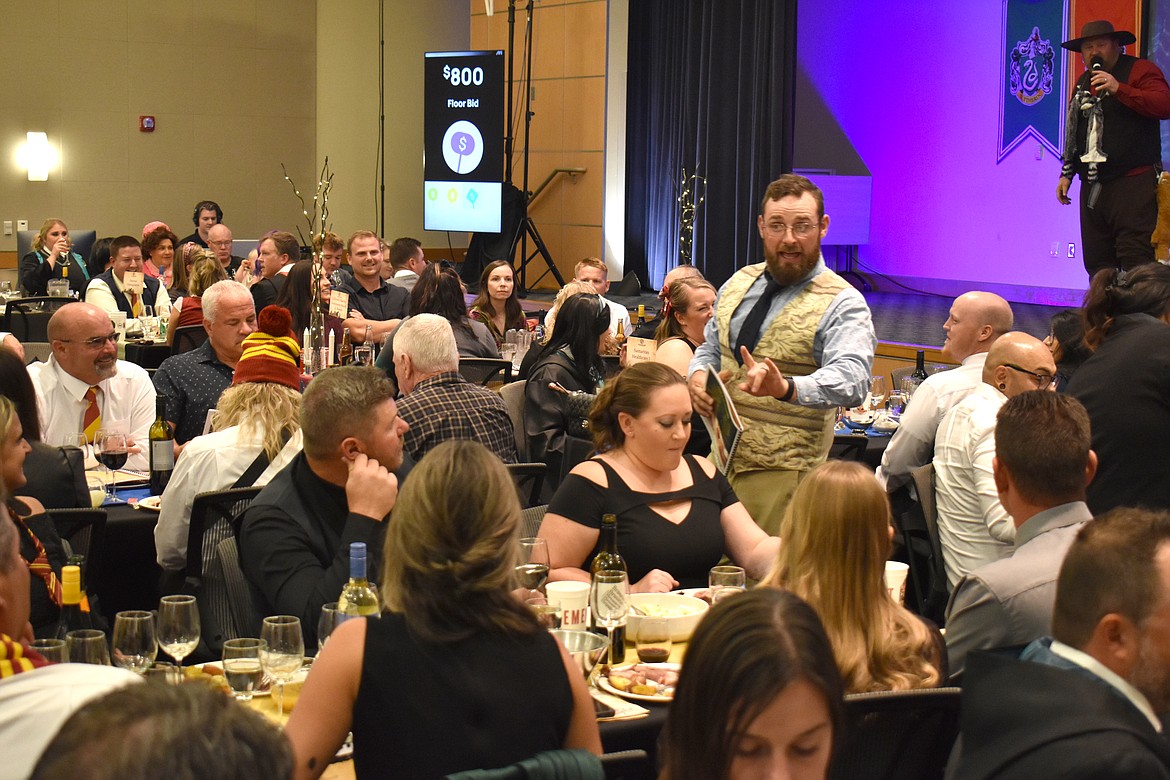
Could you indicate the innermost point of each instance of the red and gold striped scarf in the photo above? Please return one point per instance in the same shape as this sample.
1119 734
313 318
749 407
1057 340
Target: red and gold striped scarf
15 658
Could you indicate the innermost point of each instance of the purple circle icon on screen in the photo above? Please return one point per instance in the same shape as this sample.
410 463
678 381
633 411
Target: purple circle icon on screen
462 147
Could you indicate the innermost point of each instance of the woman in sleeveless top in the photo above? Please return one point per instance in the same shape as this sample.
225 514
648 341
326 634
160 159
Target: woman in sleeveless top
206 270
677 516
457 674
837 533
689 306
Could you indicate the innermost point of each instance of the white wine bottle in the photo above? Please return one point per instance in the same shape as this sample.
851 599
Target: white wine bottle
357 597
162 449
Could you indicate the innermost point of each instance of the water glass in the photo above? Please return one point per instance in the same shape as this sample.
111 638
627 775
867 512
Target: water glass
52 650
284 651
165 673
241 666
178 626
87 646
135 646
330 619
877 392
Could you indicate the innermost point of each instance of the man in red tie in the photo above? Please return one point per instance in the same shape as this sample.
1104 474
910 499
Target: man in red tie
110 292
83 370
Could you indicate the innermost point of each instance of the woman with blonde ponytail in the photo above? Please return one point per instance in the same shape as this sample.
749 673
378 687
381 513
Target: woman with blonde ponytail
836 533
457 674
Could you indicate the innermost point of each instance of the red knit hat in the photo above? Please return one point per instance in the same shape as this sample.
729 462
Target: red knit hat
271 353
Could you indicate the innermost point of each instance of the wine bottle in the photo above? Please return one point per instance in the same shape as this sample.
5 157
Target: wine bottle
919 374
345 353
608 558
641 313
72 617
162 448
357 597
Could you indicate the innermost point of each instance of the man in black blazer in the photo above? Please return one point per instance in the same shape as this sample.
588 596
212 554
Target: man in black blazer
276 251
1086 702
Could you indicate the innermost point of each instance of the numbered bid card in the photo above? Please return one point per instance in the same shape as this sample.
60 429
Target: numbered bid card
339 304
133 282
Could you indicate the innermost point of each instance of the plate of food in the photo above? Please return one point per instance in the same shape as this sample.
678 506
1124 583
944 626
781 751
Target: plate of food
703 594
640 682
212 674
150 503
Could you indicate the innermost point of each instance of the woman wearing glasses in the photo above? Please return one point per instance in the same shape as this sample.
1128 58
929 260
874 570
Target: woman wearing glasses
1125 386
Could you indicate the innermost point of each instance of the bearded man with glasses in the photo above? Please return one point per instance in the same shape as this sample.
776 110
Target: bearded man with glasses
84 387
793 341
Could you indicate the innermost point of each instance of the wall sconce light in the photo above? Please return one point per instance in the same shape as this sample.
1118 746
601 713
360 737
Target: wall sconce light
38 156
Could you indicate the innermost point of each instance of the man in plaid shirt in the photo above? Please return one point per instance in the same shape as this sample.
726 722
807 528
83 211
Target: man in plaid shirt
439 404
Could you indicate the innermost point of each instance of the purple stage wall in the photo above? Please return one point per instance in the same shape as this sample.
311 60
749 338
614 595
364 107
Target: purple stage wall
909 93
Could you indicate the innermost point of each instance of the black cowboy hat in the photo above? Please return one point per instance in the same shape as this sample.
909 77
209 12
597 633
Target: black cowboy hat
1097 29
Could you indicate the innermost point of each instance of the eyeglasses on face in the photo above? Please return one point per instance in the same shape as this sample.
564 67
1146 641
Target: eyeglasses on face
799 230
1043 381
97 342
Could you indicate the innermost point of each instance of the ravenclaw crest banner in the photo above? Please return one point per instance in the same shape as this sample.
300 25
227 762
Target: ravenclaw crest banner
1031 88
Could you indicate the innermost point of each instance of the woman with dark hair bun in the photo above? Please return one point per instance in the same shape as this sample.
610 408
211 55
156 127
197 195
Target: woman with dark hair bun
678 515
1125 386
1066 341
759 695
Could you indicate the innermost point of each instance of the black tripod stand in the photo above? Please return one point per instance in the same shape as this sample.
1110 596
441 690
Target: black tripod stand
526 227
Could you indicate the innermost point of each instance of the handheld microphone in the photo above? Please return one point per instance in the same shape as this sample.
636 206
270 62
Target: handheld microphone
1096 63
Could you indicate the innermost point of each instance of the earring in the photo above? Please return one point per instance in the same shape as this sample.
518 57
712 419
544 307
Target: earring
1002 386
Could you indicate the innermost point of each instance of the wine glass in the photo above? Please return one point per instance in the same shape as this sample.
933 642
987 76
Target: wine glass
178 626
241 666
87 646
609 597
547 612
284 651
135 646
112 450
532 571
877 392
721 578
330 619
52 650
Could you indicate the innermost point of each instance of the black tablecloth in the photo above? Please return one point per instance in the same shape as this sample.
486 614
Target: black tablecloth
147 355
129 572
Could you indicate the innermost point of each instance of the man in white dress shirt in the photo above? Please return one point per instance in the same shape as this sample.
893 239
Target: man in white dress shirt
973 527
84 387
975 321
594 271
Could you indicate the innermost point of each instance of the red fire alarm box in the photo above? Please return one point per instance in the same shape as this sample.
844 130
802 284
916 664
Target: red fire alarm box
146 124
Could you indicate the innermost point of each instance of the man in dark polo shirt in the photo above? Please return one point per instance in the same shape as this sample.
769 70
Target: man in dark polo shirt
219 240
375 306
193 381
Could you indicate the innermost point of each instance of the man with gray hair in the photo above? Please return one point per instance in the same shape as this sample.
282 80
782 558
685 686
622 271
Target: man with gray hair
439 403
193 381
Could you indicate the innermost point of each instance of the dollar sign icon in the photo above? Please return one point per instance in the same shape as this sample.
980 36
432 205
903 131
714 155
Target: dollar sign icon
447 72
462 144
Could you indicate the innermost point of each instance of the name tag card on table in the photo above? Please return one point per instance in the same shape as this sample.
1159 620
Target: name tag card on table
339 304
133 282
640 350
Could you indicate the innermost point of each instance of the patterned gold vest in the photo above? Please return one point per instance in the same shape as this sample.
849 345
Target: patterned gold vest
777 435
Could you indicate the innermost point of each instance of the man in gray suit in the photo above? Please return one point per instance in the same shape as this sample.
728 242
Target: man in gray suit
1042 466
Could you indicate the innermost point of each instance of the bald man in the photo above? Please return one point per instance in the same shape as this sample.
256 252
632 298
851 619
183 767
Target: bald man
84 375
973 526
975 321
219 240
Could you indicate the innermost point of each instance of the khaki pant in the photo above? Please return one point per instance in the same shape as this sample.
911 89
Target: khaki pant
765 494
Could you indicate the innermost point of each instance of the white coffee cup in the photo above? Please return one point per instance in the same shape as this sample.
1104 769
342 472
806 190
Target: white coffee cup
895 578
574 600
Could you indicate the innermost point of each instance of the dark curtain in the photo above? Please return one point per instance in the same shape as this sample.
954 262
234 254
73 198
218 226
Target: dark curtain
710 86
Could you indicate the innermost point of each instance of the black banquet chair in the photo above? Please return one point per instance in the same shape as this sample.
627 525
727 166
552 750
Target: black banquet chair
897 735
28 318
187 338
480 371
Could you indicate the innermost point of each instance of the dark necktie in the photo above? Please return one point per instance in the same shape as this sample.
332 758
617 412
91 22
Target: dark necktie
749 332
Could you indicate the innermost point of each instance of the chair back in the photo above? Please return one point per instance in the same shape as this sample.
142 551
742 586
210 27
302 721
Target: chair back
901 372
212 517
531 518
187 338
550 765
81 242
898 735
529 478
480 371
28 318
245 620
918 527
513 395
848 447
84 533
611 365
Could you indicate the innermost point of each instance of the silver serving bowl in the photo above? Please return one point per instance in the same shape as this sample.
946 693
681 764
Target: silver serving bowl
586 648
